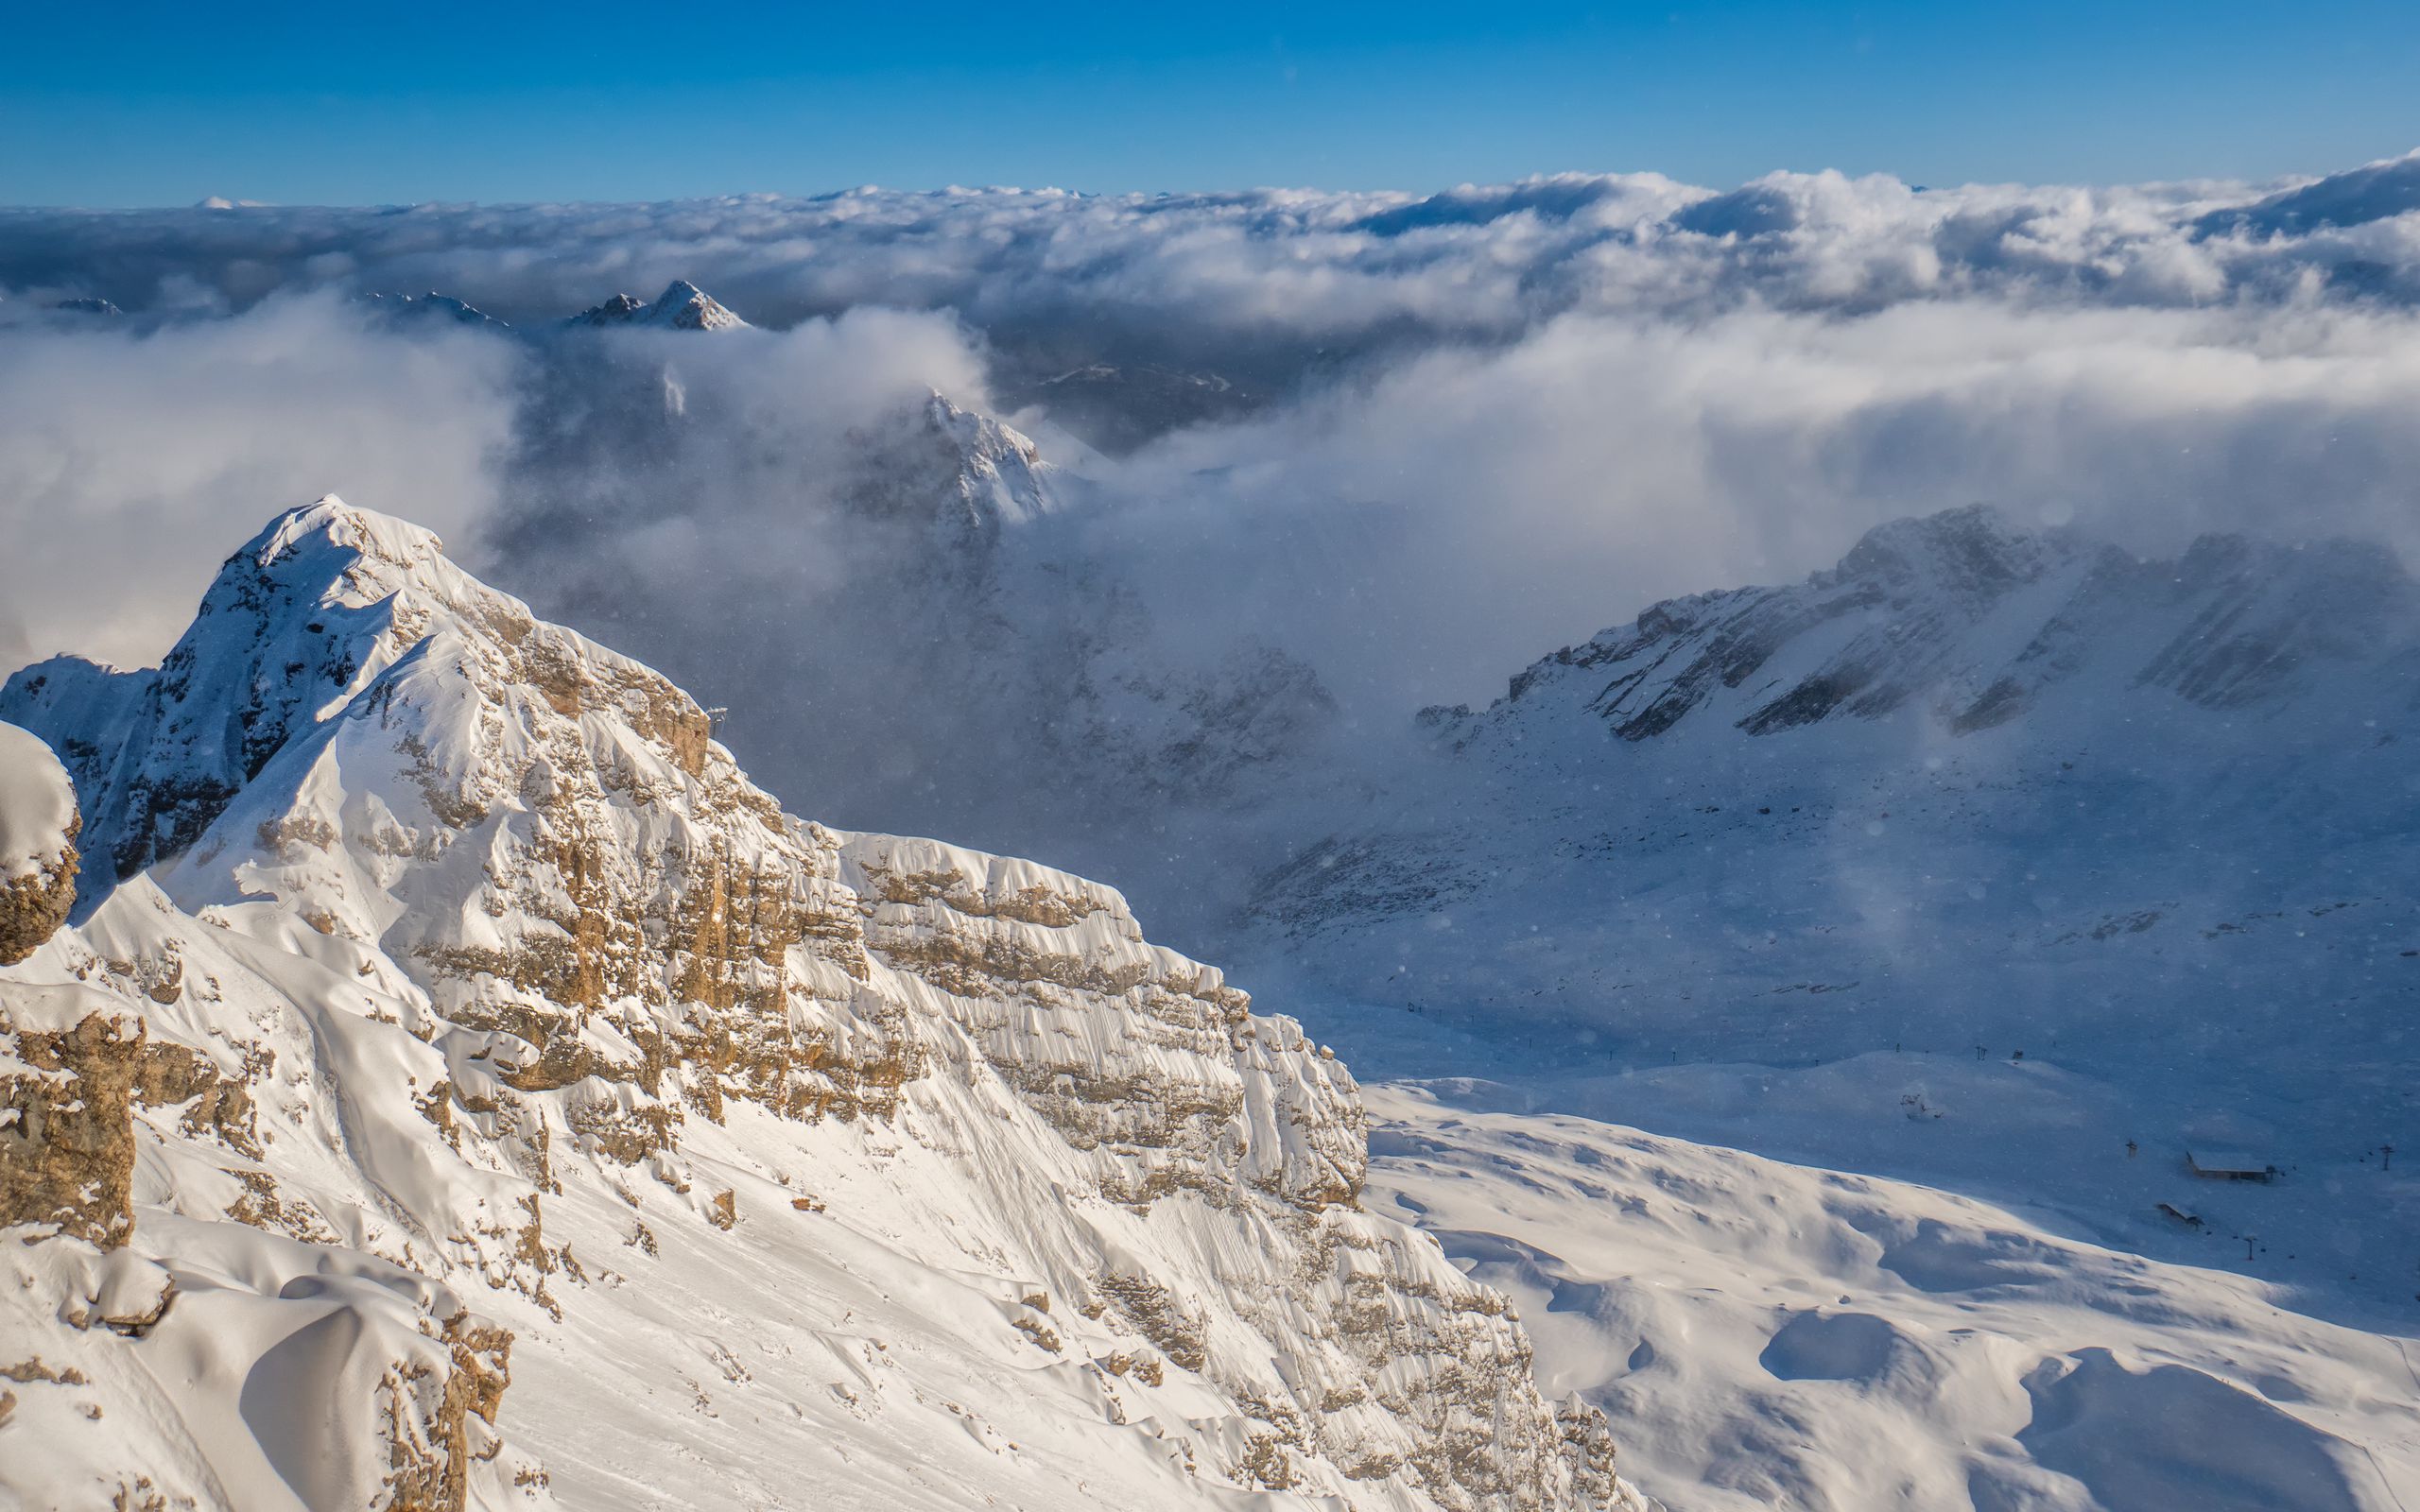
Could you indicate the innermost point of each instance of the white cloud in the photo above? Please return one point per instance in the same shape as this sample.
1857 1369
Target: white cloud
1432 529
1292 266
130 464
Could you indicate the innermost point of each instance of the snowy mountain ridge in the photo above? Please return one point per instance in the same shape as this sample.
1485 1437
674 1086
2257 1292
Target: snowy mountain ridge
462 1008
1979 620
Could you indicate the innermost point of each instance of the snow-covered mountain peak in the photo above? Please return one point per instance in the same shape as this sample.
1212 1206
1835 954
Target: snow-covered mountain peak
681 306
328 523
684 306
451 954
302 617
1002 477
958 472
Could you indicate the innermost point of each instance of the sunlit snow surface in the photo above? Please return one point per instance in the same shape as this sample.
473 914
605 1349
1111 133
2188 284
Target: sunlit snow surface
1774 1335
36 805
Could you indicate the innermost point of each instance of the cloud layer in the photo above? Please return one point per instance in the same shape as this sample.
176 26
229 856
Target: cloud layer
1432 528
133 461
1278 272
1412 443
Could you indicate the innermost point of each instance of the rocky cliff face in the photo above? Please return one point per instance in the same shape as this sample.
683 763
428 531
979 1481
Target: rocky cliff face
454 958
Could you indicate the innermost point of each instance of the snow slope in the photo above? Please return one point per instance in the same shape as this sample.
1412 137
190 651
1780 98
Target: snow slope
474 1082
2356 196
1987 877
1770 1336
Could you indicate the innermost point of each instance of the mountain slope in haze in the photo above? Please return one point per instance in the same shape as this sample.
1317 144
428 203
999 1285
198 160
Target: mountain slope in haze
433 307
475 1091
2136 835
924 579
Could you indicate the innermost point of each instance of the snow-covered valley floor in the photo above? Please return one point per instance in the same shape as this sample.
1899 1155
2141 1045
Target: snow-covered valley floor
1770 1336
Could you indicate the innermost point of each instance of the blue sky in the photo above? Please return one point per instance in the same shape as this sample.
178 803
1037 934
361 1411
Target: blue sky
287 103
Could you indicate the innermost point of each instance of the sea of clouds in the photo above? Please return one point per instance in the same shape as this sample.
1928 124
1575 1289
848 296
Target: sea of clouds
1436 438
1242 274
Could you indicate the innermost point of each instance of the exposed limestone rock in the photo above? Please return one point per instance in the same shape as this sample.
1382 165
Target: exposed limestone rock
1150 1309
32 907
67 1128
214 1105
438 1418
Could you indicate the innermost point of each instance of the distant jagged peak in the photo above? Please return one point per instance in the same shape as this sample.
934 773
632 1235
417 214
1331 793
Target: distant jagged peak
684 306
1002 479
431 305
1971 555
619 310
963 470
681 306
986 443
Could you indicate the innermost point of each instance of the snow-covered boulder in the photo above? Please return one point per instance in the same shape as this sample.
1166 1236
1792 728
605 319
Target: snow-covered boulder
38 830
